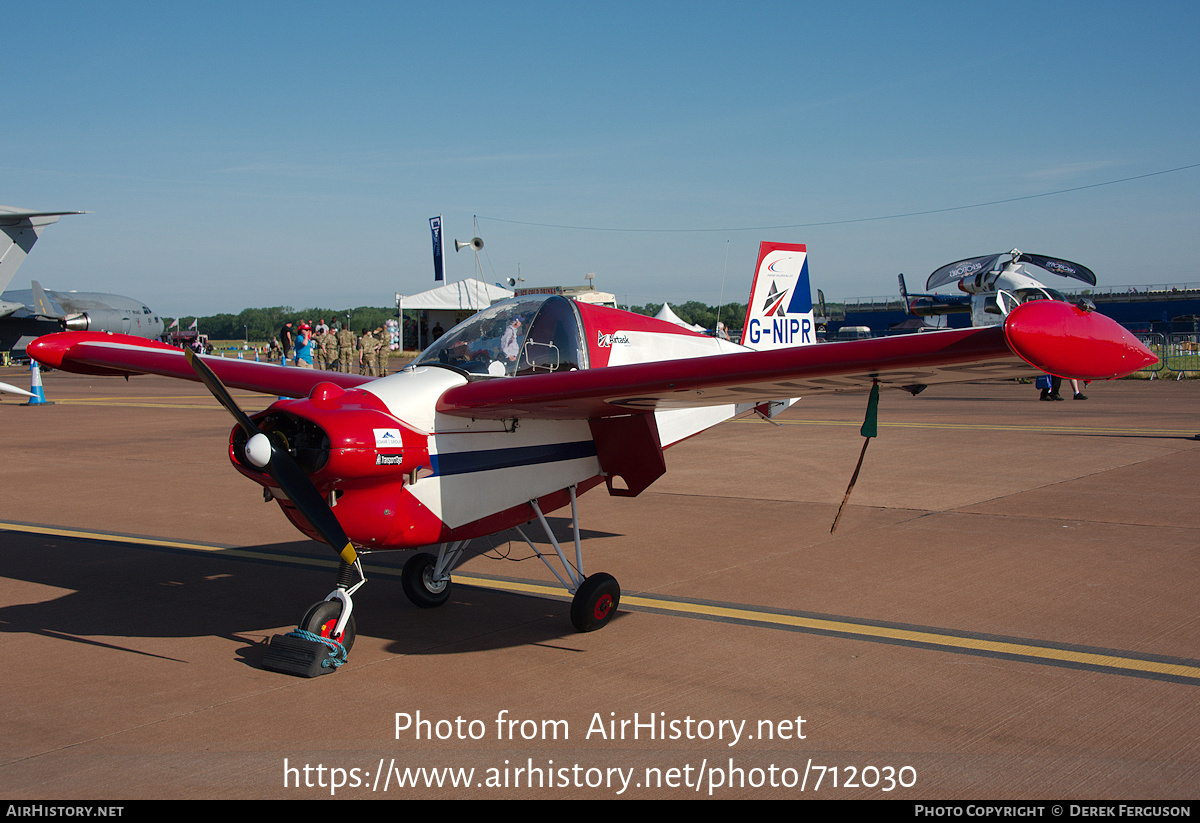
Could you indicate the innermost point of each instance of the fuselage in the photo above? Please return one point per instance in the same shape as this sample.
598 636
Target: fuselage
400 474
75 311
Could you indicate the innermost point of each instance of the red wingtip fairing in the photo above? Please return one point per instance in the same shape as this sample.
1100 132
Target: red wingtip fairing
56 351
48 350
1072 342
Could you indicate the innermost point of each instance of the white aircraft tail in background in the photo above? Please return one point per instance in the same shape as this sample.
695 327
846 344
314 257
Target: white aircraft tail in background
21 228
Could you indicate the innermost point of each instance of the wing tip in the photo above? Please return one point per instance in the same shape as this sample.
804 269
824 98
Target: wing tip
1071 342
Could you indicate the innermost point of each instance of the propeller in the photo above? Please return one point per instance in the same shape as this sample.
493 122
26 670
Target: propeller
268 454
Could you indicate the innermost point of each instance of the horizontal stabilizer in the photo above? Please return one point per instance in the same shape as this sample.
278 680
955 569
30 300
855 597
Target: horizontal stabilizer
8 213
19 229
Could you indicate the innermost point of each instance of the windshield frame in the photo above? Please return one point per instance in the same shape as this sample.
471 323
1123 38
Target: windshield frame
499 341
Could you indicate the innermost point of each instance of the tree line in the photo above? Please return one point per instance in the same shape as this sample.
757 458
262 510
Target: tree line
700 314
260 325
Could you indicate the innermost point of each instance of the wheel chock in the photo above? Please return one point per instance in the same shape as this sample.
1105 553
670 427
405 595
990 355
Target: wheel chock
298 656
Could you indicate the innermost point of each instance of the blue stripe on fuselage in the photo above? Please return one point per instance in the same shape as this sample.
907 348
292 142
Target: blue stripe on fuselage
491 459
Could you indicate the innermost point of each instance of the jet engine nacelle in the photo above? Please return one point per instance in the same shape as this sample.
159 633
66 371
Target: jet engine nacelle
102 320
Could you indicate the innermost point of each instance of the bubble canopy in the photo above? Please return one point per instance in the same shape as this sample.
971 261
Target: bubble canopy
532 334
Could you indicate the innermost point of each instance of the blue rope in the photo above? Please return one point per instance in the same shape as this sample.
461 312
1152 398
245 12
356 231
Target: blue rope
337 652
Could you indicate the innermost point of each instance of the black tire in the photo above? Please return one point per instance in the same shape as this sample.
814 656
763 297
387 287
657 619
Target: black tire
419 585
595 602
321 619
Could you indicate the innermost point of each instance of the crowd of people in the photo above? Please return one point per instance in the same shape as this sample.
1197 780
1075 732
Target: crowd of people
334 348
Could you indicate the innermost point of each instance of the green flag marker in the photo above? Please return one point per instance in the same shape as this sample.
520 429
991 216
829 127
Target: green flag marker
870 426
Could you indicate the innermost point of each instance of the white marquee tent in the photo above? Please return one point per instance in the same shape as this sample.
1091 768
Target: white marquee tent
665 313
446 305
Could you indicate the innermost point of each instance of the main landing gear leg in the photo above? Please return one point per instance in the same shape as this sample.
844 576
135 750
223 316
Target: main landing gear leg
596 597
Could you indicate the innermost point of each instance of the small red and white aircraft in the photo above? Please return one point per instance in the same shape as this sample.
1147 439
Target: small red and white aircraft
521 408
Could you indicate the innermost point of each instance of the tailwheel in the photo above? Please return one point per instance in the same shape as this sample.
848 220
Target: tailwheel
322 620
595 602
420 583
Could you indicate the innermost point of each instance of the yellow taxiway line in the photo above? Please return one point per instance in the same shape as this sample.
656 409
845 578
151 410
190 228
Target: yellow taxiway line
985 427
200 401
1110 660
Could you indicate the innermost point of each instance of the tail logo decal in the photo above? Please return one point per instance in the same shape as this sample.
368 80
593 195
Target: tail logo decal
774 304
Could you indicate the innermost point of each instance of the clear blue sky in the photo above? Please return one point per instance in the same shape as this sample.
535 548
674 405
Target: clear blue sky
256 154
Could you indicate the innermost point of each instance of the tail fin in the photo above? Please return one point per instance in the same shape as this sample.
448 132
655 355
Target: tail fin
780 313
904 295
20 229
41 303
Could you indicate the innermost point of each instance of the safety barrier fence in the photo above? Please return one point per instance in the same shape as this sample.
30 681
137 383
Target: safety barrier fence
1182 353
1156 343
1178 353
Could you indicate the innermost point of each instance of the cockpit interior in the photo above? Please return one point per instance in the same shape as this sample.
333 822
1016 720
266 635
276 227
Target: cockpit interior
532 334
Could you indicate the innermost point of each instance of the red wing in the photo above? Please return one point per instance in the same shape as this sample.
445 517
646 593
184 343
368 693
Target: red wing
99 353
1050 336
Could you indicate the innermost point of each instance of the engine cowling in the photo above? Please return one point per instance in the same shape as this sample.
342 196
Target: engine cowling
102 320
358 455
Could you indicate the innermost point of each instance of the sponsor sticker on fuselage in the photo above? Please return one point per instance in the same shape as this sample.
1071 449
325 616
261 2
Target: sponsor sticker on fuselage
388 438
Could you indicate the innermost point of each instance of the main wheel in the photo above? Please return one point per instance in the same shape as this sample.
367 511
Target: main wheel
322 618
595 602
419 585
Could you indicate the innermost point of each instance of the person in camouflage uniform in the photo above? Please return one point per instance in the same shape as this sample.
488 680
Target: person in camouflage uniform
384 353
345 347
318 350
368 352
329 349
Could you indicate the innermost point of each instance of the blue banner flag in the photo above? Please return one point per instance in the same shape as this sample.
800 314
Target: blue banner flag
439 266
